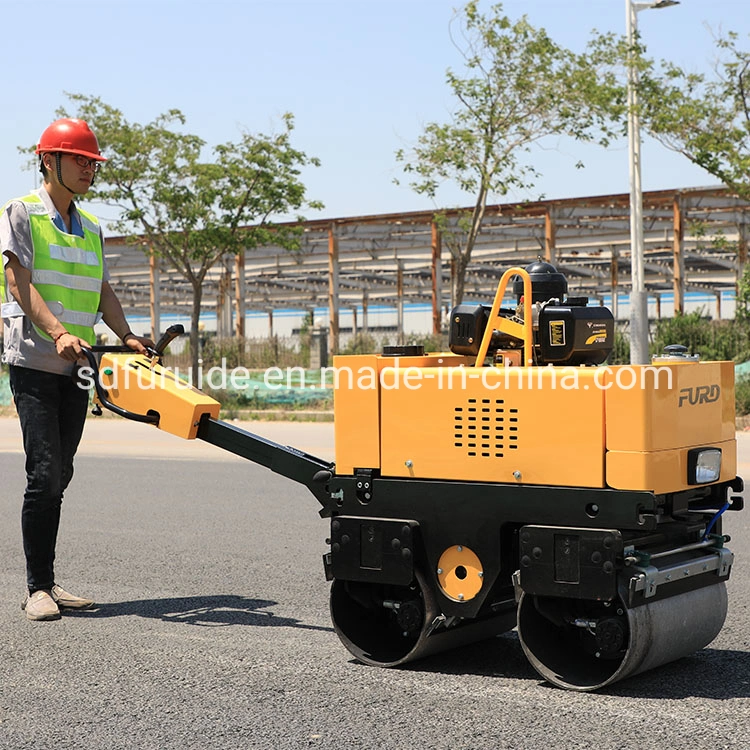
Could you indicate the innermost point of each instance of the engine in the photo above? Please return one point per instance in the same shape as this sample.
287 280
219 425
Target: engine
566 330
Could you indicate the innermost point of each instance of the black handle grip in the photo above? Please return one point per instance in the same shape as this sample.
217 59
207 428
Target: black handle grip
166 338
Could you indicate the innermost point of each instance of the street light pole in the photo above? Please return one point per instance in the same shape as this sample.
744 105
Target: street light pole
638 295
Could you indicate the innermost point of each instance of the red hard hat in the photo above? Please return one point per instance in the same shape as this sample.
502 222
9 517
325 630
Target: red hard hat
71 137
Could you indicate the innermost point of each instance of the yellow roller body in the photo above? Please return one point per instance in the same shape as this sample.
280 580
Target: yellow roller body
434 417
136 383
670 409
357 402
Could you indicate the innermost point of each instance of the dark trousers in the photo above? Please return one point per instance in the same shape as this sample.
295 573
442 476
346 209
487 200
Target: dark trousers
52 411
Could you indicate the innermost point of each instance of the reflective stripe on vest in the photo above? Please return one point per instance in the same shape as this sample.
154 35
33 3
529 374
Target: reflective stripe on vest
14 310
67 270
73 255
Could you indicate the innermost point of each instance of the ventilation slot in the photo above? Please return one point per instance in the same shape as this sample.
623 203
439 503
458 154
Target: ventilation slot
485 428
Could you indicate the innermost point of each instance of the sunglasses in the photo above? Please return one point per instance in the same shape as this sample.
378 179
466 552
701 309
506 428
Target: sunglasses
85 163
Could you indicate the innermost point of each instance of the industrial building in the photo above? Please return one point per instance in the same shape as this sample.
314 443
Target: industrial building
393 272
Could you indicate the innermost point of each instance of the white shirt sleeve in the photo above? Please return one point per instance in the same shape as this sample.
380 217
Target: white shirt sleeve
15 234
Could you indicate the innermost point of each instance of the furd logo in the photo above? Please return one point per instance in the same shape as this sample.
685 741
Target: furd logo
702 394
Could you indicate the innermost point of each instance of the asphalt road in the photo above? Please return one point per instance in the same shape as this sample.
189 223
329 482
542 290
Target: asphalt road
213 628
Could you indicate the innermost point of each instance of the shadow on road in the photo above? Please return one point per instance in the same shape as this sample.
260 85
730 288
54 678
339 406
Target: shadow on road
718 674
497 657
711 673
204 611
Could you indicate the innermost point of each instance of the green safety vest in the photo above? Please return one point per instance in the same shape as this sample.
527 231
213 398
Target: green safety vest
67 270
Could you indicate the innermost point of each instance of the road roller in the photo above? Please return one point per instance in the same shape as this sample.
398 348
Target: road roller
514 481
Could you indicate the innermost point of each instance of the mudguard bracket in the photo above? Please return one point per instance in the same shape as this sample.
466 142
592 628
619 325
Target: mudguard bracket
373 549
570 562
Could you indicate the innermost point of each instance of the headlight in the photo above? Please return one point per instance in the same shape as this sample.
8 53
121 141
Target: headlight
704 465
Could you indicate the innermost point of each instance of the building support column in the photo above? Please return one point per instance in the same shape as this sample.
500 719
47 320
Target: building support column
678 260
614 277
549 236
154 295
239 295
400 301
437 280
741 260
224 304
333 291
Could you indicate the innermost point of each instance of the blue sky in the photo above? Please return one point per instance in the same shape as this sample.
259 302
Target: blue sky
361 77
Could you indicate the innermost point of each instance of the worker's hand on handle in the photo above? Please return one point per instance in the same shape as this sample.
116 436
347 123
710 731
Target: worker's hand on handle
69 347
138 344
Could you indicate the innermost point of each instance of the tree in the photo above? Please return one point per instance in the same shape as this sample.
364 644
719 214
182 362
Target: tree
189 211
742 305
519 87
706 118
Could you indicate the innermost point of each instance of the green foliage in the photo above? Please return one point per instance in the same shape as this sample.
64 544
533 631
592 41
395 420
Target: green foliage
703 116
742 396
430 341
620 354
518 87
362 343
366 343
186 209
742 313
712 339
305 332
252 353
214 350
193 210
706 117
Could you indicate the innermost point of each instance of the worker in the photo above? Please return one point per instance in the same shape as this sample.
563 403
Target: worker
54 289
